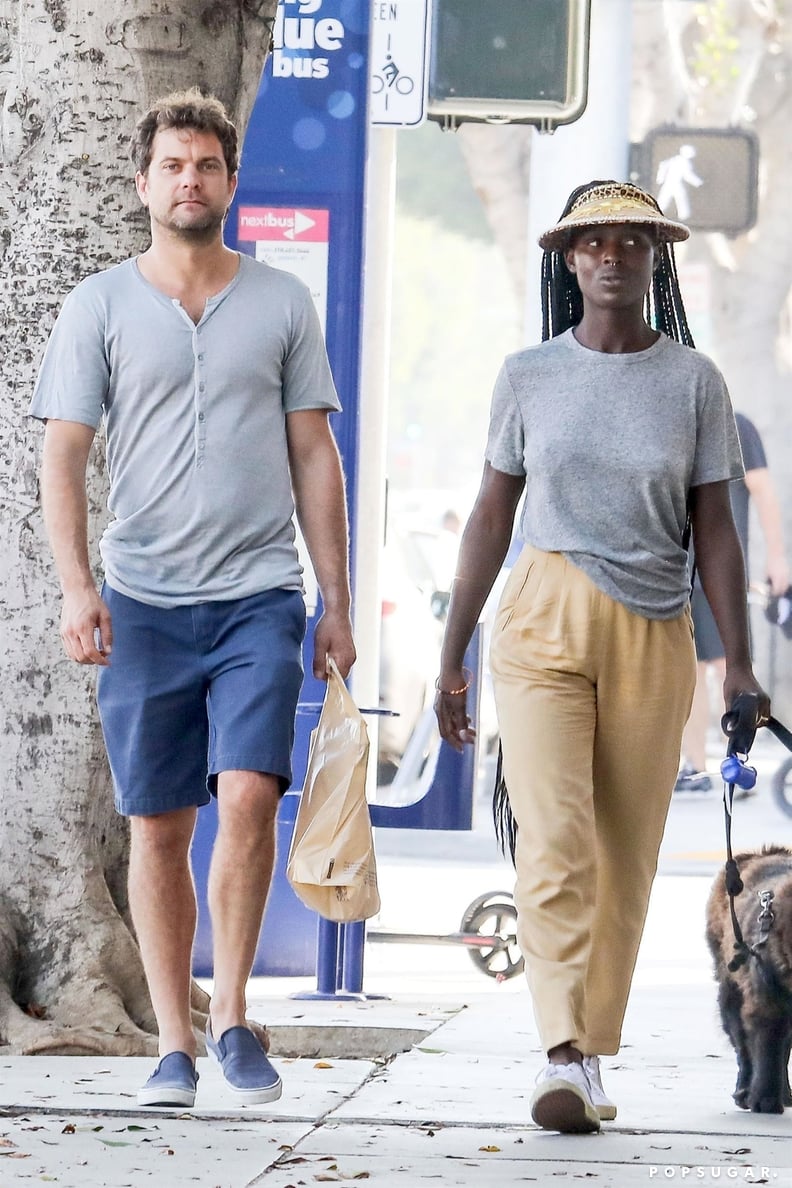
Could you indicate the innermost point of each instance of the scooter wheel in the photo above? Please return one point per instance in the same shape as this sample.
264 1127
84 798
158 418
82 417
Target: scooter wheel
481 901
496 918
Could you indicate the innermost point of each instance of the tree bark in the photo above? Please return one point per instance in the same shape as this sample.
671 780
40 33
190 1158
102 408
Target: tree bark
74 76
498 159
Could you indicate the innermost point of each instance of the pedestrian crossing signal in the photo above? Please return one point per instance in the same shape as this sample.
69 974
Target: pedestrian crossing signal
705 177
520 61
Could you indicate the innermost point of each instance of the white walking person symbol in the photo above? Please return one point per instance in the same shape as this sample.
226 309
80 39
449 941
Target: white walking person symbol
674 175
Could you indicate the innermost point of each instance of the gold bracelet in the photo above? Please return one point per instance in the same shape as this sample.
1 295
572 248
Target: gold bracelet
455 692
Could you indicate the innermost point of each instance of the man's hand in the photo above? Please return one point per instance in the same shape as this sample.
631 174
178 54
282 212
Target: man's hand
333 637
778 575
86 629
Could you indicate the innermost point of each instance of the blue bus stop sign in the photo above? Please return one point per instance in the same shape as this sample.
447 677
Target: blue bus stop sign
299 206
300 203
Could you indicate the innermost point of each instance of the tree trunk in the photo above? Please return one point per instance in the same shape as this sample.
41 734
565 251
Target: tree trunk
498 159
74 77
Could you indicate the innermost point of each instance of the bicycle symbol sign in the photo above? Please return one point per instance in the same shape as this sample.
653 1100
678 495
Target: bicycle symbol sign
398 57
390 77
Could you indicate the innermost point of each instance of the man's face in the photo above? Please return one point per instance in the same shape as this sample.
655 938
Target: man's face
186 187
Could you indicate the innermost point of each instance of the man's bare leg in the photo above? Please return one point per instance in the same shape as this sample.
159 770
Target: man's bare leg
162 902
239 880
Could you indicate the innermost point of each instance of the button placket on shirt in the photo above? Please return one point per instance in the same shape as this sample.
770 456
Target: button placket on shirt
200 399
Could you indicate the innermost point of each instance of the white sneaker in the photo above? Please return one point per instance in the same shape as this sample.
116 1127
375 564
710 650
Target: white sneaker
605 1107
562 1100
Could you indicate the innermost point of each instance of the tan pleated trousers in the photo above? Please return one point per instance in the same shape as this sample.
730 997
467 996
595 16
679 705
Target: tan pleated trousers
591 701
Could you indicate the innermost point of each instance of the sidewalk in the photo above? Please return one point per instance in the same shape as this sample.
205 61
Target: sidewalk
452 1109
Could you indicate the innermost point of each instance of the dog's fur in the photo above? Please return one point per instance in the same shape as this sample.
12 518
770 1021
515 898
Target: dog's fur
756 998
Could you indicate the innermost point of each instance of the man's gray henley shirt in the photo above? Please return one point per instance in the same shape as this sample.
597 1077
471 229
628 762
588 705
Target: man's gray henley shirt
195 417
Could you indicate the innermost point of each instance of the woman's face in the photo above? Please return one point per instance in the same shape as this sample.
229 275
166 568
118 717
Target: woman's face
613 264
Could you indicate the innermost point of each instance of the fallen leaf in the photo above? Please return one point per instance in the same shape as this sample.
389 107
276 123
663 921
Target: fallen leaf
489 1148
322 1064
14 1155
69 1128
6 1143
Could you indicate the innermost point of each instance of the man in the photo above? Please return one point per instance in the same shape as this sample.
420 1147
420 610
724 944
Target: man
756 487
211 374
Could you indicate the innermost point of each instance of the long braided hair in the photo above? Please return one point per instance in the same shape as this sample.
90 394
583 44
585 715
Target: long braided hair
562 301
562 308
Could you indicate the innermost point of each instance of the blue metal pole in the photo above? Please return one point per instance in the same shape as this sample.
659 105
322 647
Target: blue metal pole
327 957
352 972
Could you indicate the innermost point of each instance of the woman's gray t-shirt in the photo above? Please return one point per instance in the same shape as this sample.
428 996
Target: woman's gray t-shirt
195 416
610 445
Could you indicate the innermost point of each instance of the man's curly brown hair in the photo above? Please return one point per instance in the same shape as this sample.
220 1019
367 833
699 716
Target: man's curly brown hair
185 109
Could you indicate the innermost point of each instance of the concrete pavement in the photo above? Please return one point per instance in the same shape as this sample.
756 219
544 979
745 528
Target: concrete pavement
452 1109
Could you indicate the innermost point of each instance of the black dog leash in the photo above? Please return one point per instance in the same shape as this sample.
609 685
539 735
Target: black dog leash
740 725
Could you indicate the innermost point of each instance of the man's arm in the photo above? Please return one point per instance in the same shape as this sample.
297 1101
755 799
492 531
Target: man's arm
67 445
319 497
762 492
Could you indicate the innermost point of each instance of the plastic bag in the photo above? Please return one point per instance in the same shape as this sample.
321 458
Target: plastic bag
331 865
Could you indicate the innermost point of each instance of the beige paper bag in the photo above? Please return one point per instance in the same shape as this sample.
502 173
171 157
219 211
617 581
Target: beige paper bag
331 863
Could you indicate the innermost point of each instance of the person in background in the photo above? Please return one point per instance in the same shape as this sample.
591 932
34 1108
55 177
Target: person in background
757 488
613 431
210 373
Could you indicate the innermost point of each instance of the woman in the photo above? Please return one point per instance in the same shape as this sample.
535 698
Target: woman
618 435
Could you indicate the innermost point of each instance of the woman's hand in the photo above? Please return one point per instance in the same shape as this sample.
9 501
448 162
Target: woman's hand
742 680
450 706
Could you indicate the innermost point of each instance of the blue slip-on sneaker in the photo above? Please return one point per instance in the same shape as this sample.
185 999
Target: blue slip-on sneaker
172 1083
246 1069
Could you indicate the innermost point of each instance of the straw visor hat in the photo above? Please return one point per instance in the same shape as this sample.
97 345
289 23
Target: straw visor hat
612 202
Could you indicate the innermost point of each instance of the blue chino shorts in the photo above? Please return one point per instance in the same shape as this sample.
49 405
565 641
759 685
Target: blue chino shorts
195 690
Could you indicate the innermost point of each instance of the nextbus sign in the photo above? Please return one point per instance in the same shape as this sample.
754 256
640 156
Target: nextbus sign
295 239
283 222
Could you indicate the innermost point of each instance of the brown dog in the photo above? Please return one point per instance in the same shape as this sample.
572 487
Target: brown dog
755 988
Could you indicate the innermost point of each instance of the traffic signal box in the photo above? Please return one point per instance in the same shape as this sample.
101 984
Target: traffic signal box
706 177
504 61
